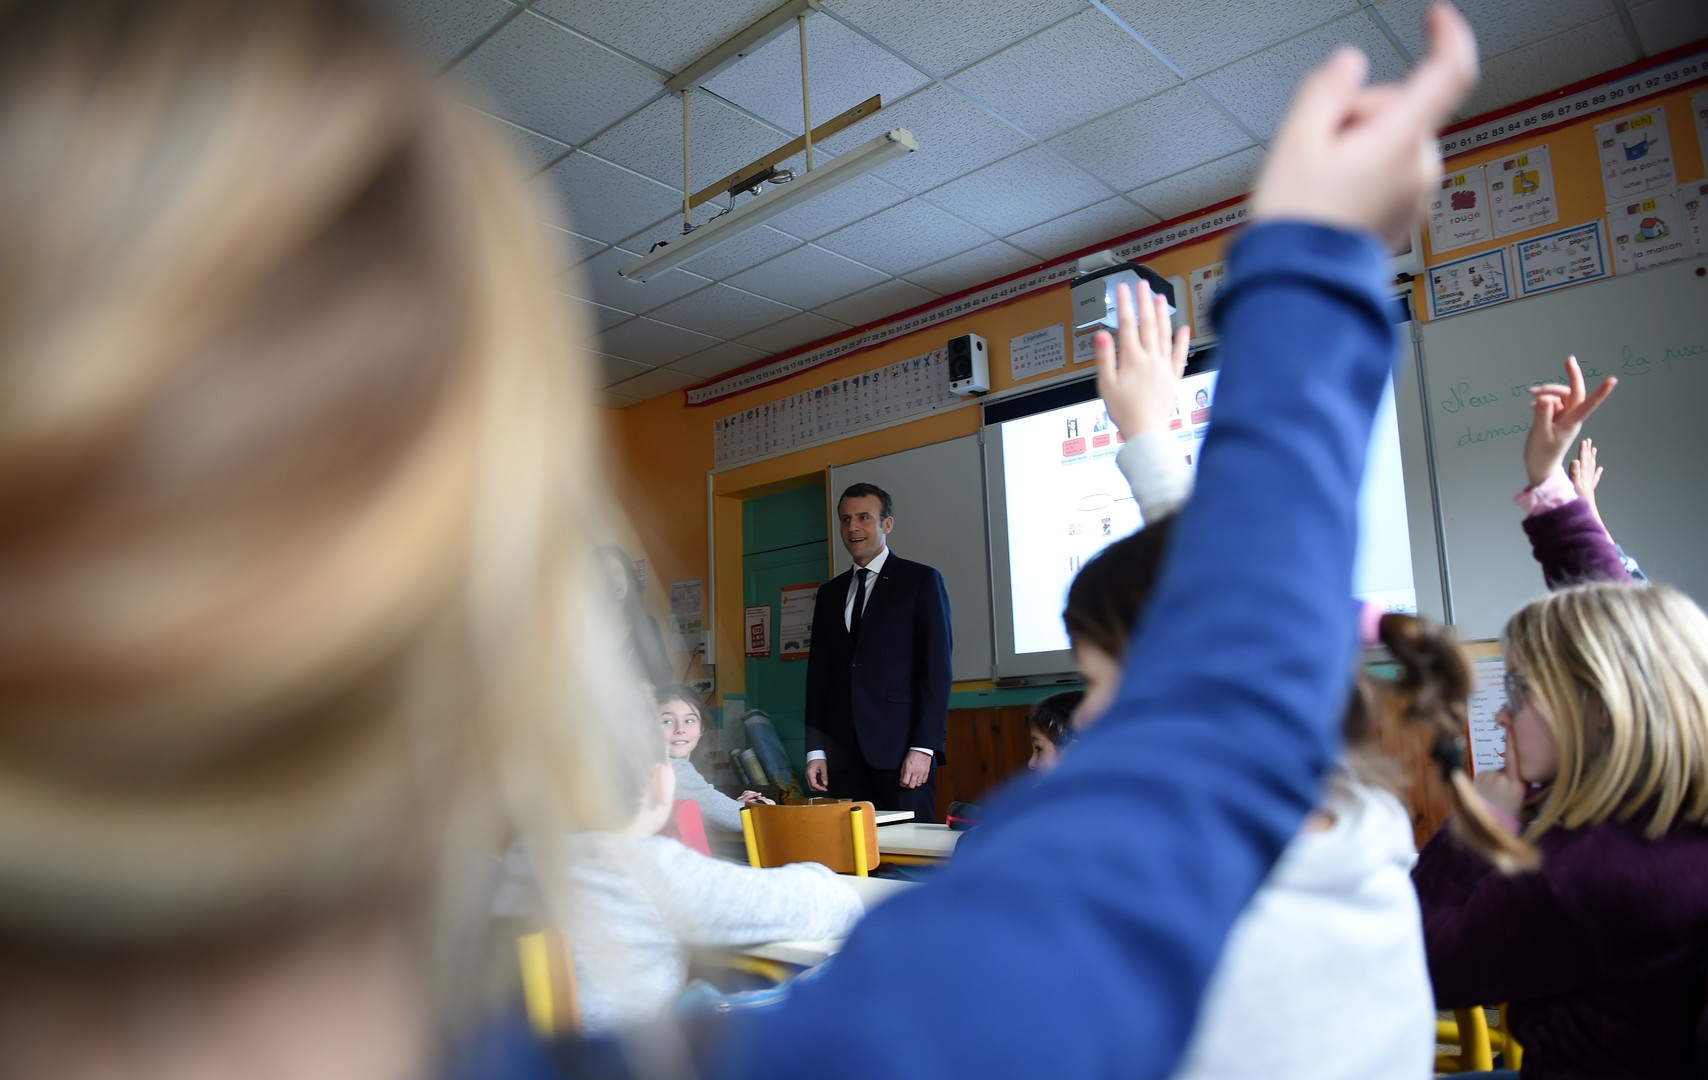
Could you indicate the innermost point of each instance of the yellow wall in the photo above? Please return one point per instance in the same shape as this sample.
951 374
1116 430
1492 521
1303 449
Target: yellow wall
664 447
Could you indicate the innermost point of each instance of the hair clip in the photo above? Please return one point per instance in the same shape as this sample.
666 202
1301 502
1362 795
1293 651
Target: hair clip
1449 753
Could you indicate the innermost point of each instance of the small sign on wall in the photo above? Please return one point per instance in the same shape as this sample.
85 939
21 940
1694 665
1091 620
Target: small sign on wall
794 628
758 622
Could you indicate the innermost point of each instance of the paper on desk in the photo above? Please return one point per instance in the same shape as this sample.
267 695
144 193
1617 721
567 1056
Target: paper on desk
1488 739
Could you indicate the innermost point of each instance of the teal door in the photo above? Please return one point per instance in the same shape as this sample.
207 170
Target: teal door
783 544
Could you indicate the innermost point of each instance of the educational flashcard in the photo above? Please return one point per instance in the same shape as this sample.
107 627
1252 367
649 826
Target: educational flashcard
1636 154
1037 352
1207 282
1488 694
1647 232
1560 258
1459 211
1521 190
1699 109
1692 202
1469 283
1083 347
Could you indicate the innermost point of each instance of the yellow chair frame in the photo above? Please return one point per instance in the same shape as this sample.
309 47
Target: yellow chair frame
858 823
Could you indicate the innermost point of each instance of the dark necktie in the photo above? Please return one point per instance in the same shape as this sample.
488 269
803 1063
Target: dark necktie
859 604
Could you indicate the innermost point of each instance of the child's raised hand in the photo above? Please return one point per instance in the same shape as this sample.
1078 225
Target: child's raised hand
1585 473
1362 157
1137 380
1557 415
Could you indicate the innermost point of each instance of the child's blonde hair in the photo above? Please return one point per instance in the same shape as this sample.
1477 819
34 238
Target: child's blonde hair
1620 674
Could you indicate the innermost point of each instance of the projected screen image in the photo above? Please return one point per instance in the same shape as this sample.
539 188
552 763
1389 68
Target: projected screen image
1066 500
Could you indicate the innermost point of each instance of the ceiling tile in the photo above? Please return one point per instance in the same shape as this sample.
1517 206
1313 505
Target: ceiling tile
943 36
1098 65
904 238
843 68
1665 24
792 332
1150 139
1501 25
1258 88
852 201
614 369
606 202
971 268
443 28
608 400
1204 186
667 34
726 356
879 302
807 277
1016 193
955 137
594 319
721 140
650 384
553 82
734 255
597 280
722 312
1238 28
1548 65
534 150
1083 228
651 342
569 248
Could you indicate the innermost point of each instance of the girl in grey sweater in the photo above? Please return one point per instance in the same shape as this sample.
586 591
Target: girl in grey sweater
679 711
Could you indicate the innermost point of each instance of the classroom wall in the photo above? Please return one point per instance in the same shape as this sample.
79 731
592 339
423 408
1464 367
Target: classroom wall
663 447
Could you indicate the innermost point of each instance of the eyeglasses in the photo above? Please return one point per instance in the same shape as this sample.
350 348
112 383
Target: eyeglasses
1517 687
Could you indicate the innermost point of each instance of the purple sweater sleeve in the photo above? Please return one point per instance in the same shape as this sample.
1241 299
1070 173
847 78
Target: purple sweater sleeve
1572 546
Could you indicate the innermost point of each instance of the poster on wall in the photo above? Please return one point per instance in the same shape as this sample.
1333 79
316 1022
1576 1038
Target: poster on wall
1521 191
1647 232
1636 154
1037 352
1207 282
1459 211
794 623
1699 109
1468 284
1084 348
1488 694
685 612
757 620
1568 257
1692 201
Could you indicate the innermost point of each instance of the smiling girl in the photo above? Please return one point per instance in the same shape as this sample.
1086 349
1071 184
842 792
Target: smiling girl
679 712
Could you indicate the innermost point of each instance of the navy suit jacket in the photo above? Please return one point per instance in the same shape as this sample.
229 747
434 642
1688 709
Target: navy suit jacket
890 691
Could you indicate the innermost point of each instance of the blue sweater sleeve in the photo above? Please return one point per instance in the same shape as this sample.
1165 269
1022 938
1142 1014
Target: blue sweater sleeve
1104 893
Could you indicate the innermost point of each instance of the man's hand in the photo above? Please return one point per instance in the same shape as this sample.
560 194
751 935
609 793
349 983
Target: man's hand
915 768
1558 413
1362 157
1136 381
818 775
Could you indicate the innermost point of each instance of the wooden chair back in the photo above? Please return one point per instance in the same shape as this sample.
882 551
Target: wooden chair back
842 836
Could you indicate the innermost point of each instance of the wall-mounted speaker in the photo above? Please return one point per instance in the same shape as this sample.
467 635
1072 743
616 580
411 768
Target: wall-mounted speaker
969 365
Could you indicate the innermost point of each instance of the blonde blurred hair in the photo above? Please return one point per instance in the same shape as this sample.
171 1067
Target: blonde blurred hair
1620 675
296 470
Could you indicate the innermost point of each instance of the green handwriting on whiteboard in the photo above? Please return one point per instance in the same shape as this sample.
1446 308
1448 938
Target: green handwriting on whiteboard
1471 438
1633 363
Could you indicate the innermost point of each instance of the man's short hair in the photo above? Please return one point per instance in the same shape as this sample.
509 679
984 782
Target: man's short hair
860 491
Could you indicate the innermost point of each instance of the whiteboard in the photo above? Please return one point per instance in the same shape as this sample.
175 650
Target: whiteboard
938 495
1651 330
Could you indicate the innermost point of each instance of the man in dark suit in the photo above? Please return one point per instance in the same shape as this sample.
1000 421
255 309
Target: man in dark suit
878 676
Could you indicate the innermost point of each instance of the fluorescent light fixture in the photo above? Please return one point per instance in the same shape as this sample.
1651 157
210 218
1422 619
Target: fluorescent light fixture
743 44
808 185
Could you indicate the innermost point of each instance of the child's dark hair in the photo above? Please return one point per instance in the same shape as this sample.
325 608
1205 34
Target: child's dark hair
669 692
1111 590
1053 716
1433 687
